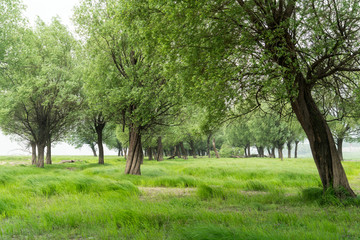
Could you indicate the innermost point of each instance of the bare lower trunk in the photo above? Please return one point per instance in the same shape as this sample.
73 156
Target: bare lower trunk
41 149
208 145
33 152
135 155
150 153
125 153
280 151
100 145
273 152
192 146
92 146
119 152
48 152
178 151
321 141
160 151
288 144
296 149
249 153
183 151
214 147
339 144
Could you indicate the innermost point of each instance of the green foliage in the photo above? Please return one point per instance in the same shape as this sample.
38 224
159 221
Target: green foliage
41 87
227 151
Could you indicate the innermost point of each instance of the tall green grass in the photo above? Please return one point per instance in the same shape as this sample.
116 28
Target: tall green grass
174 199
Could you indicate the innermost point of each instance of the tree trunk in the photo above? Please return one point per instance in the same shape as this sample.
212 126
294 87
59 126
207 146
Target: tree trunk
41 149
214 147
33 153
183 151
92 146
208 145
119 152
322 144
288 144
135 155
296 149
280 151
178 151
339 143
159 150
249 153
273 152
99 130
125 153
48 152
150 153
192 146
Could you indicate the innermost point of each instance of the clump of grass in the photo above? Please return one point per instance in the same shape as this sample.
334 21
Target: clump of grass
178 181
210 232
208 192
256 186
336 197
7 205
5 178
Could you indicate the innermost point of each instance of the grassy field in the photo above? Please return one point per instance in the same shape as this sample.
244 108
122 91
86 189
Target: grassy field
176 199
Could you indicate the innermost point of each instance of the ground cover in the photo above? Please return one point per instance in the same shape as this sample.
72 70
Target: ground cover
175 199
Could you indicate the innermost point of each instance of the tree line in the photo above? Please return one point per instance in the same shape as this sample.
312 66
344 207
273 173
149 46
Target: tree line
146 72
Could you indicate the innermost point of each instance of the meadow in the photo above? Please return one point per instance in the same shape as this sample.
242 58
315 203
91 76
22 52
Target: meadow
175 199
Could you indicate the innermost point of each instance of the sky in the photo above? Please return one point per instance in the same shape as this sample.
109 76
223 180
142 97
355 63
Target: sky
46 9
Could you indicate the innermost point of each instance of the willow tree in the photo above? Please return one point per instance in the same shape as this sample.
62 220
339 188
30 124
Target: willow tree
282 49
41 91
123 81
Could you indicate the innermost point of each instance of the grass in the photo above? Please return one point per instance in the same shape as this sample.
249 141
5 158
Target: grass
175 199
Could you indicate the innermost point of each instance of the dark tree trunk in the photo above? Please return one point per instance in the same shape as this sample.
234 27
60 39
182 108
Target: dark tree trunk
119 152
322 144
269 151
41 150
135 155
249 153
192 146
214 147
160 151
99 131
260 151
150 153
178 151
339 144
48 152
273 152
280 151
92 146
33 153
288 144
296 149
125 153
208 145
183 151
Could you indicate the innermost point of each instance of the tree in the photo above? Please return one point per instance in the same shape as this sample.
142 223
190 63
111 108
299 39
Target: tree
41 92
121 76
283 49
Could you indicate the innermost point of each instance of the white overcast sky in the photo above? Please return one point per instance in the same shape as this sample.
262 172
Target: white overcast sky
46 9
